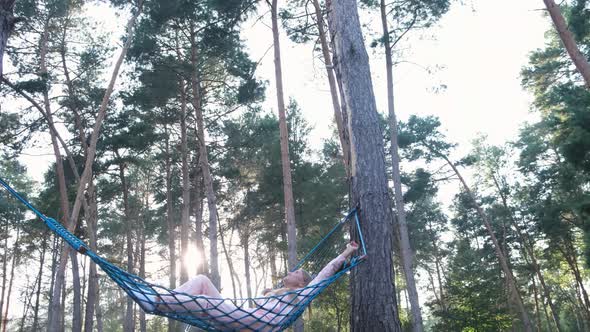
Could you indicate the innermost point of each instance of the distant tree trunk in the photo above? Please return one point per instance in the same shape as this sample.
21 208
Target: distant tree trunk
128 323
232 271
374 304
245 246
53 324
344 143
284 137
207 177
15 259
530 251
92 223
537 310
186 187
6 25
4 269
570 257
99 323
170 223
407 254
510 279
35 325
198 211
568 41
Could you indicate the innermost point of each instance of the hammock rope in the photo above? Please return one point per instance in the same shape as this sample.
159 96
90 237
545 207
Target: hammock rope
270 313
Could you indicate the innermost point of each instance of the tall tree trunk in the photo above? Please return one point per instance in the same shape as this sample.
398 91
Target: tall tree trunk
186 187
510 279
4 269
15 259
170 224
35 324
567 38
344 143
53 324
128 323
284 137
407 254
374 304
6 25
204 159
198 211
245 234
529 249
92 223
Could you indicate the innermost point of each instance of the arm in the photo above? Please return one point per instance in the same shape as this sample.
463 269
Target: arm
334 266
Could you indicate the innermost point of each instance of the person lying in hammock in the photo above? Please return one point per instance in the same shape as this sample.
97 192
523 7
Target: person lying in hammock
271 309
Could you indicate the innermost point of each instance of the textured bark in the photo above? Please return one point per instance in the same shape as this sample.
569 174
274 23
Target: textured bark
15 257
6 25
35 324
53 325
374 303
510 279
207 177
92 223
186 187
128 323
344 143
284 137
170 224
407 254
198 211
567 38
529 249
4 268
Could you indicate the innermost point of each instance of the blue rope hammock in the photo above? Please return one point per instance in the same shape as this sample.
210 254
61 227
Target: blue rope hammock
271 313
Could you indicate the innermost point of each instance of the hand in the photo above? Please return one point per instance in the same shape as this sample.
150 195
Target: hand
351 248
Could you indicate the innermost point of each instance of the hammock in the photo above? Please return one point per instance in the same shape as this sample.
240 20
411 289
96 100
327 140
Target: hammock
271 313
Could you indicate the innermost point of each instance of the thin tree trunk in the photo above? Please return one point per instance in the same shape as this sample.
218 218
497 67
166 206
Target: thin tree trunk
284 137
527 325
15 258
230 264
92 223
344 143
6 25
537 311
407 254
35 325
53 325
570 257
128 323
567 38
4 270
186 187
204 159
530 251
198 211
374 304
170 224
246 248
98 311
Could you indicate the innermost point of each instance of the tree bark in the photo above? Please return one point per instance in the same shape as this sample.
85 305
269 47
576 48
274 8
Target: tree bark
6 25
374 304
407 254
186 187
204 159
35 324
53 325
15 258
198 211
530 251
92 223
128 323
170 224
567 38
284 138
527 325
344 143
